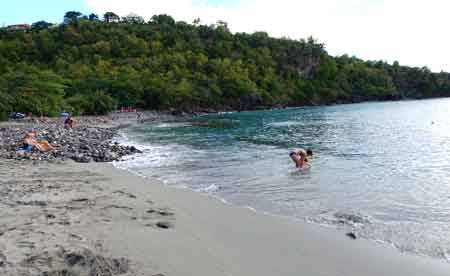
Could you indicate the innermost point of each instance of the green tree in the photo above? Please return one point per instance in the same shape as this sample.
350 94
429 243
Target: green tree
71 16
39 25
101 103
163 19
5 105
93 17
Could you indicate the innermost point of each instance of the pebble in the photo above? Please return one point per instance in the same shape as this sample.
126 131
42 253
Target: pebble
82 144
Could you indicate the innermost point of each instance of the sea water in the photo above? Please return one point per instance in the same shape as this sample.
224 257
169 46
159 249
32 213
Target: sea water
381 170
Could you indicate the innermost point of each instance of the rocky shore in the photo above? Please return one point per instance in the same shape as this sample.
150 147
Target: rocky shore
88 141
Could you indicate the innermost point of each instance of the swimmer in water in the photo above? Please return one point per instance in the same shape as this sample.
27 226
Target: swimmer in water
300 158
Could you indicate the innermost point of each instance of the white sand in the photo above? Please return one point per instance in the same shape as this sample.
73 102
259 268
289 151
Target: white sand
206 237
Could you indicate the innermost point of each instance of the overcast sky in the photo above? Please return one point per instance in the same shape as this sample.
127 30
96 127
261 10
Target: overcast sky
414 32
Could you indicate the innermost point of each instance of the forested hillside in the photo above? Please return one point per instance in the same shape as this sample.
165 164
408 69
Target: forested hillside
91 66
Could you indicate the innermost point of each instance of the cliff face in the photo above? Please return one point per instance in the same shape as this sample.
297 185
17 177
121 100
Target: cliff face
307 66
421 83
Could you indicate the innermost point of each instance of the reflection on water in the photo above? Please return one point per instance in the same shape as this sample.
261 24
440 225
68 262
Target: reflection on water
382 169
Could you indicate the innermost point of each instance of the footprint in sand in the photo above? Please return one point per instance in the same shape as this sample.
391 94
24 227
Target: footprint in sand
161 211
76 236
130 195
157 214
25 244
160 225
164 224
114 206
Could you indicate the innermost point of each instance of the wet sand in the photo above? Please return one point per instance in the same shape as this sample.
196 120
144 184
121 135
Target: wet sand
140 227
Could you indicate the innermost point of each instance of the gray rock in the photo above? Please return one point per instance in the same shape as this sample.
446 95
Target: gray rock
82 144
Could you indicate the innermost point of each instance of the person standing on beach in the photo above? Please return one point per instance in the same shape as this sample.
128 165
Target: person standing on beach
68 123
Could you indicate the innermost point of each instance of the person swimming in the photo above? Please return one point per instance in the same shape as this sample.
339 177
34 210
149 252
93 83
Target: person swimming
300 158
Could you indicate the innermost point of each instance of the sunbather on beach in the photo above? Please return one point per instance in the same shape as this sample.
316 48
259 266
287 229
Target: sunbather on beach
30 141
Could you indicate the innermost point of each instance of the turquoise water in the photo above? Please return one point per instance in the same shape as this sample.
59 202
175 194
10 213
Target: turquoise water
379 169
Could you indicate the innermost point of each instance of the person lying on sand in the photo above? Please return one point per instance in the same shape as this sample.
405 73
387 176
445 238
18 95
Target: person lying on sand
300 158
30 141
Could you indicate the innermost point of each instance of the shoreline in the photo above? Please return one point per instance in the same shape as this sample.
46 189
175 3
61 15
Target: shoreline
345 231
202 111
185 204
319 245
170 231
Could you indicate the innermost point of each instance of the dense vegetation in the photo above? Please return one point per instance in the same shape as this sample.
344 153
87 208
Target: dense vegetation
86 65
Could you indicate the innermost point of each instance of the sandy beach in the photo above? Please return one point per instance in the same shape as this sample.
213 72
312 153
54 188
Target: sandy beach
75 219
137 226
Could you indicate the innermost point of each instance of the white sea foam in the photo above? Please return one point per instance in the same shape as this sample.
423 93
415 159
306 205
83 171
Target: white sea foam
209 189
226 112
285 124
171 125
150 154
145 159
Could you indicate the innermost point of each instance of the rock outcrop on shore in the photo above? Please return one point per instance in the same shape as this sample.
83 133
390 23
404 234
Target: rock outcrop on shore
83 143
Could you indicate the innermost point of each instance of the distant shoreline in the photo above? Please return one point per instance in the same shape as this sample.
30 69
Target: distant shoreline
180 114
123 120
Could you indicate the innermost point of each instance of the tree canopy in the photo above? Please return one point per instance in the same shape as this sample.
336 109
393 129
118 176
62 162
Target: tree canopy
91 66
71 16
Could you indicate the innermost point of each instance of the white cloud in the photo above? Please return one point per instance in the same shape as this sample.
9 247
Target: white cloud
414 32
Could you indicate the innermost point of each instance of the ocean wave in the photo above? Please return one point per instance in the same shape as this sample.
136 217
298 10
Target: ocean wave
123 139
351 218
226 112
171 125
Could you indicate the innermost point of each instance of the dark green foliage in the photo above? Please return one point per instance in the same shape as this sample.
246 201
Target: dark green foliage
97 103
40 25
93 17
71 16
89 66
5 105
32 90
